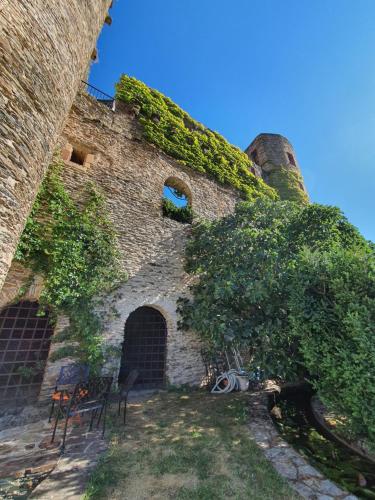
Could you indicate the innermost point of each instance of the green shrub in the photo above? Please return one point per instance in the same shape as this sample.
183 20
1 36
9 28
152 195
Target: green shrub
333 316
179 214
189 142
294 284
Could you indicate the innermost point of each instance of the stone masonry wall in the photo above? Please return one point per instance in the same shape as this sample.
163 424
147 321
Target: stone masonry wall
131 173
45 49
272 151
17 277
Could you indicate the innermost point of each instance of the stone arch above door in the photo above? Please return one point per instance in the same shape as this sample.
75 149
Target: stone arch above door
145 347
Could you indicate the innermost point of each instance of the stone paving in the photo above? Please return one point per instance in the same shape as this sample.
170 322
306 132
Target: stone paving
14 417
302 477
68 479
29 462
26 454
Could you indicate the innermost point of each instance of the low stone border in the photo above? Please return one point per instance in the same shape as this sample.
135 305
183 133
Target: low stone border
302 477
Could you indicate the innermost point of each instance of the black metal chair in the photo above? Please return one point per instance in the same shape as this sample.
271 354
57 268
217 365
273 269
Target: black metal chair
90 396
122 395
69 376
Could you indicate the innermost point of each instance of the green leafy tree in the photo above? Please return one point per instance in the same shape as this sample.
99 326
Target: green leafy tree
333 317
258 272
180 214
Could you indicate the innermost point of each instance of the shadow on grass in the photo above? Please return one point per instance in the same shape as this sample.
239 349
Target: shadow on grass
186 446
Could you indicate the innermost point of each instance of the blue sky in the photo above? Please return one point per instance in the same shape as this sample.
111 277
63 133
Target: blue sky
301 68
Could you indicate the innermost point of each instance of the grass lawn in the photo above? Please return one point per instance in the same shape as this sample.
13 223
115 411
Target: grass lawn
189 445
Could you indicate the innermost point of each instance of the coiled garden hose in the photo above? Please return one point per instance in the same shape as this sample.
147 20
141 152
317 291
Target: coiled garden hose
228 381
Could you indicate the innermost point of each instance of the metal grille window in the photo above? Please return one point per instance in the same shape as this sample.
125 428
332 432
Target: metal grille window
24 347
144 348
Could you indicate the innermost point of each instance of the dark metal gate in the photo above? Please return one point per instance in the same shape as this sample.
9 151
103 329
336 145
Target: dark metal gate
24 346
144 348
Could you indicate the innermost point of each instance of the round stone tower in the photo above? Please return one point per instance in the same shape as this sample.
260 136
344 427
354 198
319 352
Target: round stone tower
277 160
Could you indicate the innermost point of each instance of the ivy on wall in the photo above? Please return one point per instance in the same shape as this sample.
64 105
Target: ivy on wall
288 183
74 248
171 129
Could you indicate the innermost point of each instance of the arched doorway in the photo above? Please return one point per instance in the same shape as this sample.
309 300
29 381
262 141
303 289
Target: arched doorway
25 339
144 347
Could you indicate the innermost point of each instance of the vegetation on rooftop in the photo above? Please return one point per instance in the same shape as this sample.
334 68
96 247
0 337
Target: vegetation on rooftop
171 129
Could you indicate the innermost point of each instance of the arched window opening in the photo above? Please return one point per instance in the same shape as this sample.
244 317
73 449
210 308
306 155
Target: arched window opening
254 156
176 201
144 348
25 338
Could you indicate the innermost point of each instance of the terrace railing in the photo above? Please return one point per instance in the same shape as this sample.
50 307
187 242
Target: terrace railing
99 95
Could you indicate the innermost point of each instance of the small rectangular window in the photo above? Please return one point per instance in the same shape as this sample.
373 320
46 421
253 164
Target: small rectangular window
78 157
291 159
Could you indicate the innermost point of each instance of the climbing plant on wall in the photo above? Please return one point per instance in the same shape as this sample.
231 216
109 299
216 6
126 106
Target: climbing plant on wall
288 183
171 129
74 249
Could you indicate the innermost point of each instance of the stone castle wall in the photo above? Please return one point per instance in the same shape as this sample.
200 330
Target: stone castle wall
20 279
131 174
45 49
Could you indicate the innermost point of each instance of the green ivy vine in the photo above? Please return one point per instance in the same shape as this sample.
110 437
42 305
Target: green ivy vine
74 248
288 183
171 129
